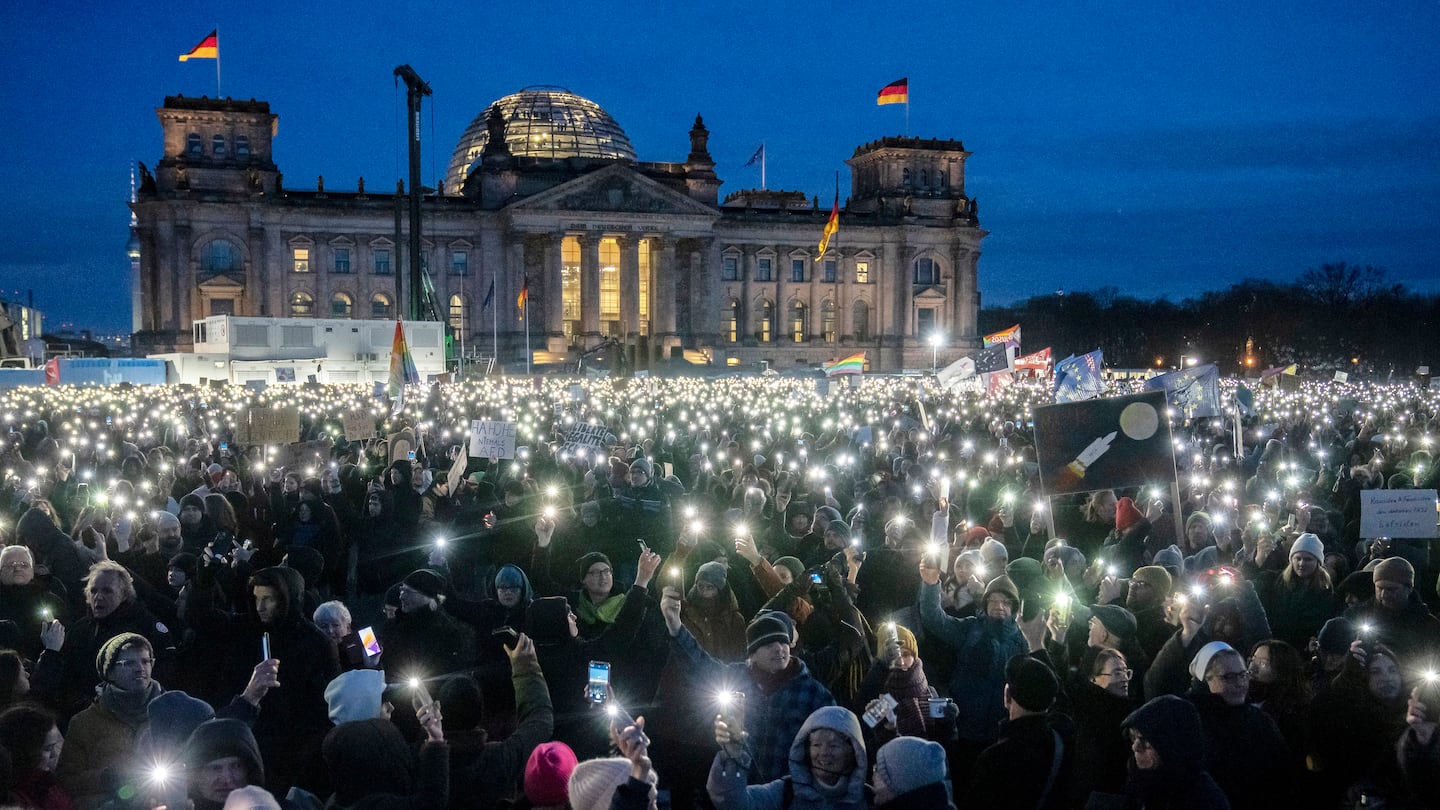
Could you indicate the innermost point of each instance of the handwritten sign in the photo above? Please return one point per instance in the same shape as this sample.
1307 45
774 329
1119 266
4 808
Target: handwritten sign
271 426
1406 513
358 426
492 439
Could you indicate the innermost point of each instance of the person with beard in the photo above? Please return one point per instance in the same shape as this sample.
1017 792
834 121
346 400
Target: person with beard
66 669
26 601
1245 751
149 558
1167 765
51 548
102 736
1397 615
1100 698
1354 724
423 640
293 718
981 645
1145 596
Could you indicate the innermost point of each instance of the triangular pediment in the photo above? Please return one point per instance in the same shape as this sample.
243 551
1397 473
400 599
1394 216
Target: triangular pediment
221 281
930 294
616 189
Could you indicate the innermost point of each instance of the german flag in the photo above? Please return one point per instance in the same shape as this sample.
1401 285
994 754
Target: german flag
896 92
523 297
831 226
209 48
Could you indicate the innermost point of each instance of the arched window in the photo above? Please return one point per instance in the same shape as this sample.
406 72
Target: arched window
457 314
798 322
242 146
342 305
731 318
765 321
924 178
302 305
905 177
217 146
942 179
194 144
381 307
222 256
926 271
860 320
827 320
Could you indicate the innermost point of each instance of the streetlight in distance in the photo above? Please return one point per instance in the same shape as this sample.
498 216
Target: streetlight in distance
936 338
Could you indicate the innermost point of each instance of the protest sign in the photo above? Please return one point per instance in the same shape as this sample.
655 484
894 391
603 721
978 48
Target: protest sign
401 445
492 439
268 426
586 436
358 426
1106 443
1404 513
1342 376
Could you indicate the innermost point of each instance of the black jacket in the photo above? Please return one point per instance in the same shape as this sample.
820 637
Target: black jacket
1013 772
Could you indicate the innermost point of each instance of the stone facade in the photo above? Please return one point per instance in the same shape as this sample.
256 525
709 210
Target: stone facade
644 253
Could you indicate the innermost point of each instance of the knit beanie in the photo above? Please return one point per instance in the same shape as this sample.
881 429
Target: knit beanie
1310 544
1003 584
792 564
392 596
993 550
766 628
643 465
582 566
1157 578
593 782
907 641
975 536
905 764
105 658
355 695
1336 634
1171 559
1119 621
1126 515
713 574
1202 658
547 620
426 581
840 527
174 716
547 774
1028 574
1032 684
1397 570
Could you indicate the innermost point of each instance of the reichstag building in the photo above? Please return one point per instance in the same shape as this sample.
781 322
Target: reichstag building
544 192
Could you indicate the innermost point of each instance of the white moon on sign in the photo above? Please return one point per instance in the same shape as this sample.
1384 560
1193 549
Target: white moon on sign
1139 421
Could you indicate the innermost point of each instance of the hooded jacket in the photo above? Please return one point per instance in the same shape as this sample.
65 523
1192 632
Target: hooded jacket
218 739
1245 752
1172 726
371 767
727 779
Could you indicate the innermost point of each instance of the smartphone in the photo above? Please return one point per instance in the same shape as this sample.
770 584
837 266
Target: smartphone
224 445
816 578
410 455
507 630
597 688
370 642
421 698
732 711
264 646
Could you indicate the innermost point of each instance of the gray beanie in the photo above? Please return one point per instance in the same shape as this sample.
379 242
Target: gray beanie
713 574
1310 544
905 764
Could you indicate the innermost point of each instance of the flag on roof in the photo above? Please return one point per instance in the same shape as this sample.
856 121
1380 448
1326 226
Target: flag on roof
831 226
896 92
757 157
209 48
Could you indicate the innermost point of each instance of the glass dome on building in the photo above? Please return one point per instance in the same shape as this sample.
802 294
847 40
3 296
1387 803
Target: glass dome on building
542 122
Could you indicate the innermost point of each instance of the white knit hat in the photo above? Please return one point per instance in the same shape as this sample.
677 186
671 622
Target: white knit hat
1310 544
593 782
1202 658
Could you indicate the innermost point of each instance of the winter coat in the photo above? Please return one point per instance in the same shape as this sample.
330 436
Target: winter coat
1351 732
980 647
775 707
70 673
1295 612
427 641
1172 726
1101 751
1413 633
727 781
934 796
54 549
495 772
1014 771
97 741
1244 751
372 769
40 790
26 606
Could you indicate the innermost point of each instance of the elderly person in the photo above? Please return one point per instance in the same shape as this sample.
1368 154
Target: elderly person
1245 750
25 600
826 767
334 620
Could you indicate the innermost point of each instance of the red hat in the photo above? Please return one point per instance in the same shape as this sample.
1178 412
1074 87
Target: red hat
1126 515
547 774
975 536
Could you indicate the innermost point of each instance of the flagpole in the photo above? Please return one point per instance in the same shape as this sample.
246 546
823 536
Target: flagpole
907 109
494 327
218 94
763 158
526 316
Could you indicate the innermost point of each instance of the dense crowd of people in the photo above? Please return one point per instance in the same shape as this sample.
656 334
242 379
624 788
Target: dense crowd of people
735 593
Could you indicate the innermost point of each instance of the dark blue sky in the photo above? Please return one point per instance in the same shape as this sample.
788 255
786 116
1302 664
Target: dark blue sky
1163 148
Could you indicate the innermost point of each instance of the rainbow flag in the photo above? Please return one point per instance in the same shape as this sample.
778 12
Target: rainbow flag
402 368
1005 336
209 48
896 92
854 364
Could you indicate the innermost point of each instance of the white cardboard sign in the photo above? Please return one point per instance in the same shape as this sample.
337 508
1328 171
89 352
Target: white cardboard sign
1405 513
492 439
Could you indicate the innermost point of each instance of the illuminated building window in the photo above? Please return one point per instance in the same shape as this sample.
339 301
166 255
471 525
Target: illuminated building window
731 317
341 305
765 321
827 320
457 314
302 305
862 272
643 287
300 259
609 287
570 285
381 307
798 322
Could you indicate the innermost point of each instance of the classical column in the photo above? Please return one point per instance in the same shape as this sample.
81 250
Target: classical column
744 320
708 315
515 276
184 289
969 304
662 297
894 300
256 279
589 290
554 292
629 287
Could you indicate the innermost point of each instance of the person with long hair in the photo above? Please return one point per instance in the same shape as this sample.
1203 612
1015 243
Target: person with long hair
33 741
1301 598
1280 686
14 680
1101 697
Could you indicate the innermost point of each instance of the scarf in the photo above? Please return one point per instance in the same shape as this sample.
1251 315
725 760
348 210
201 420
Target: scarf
130 707
604 613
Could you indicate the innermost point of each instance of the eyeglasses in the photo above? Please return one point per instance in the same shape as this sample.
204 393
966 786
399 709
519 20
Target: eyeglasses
1122 674
598 572
1232 677
16 566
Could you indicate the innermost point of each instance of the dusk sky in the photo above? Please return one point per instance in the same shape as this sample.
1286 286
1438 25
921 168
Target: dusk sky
1162 148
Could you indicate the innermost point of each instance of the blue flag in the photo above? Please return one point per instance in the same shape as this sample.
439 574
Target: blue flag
1078 378
1194 392
489 296
1245 398
755 158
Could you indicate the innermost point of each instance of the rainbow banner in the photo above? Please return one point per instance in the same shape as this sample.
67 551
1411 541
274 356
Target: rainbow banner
854 364
1004 336
402 368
